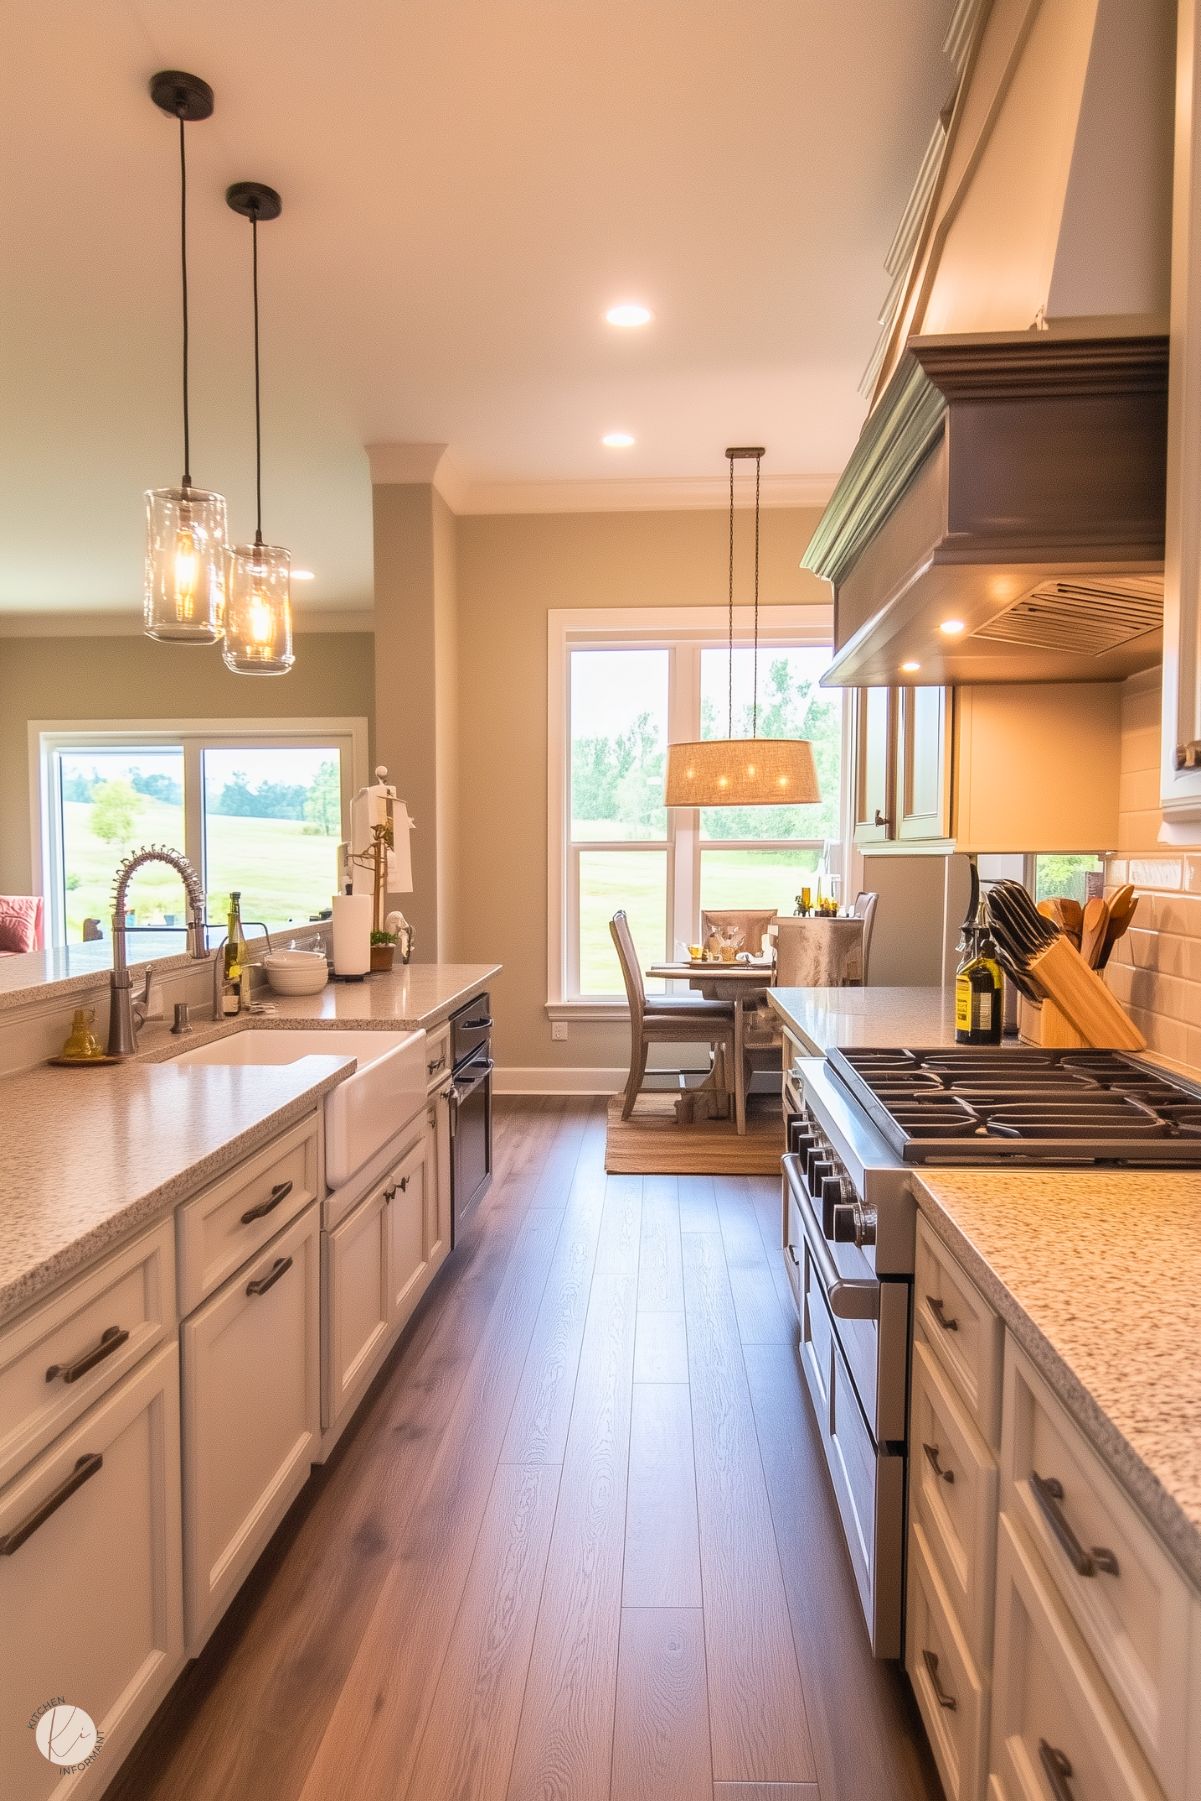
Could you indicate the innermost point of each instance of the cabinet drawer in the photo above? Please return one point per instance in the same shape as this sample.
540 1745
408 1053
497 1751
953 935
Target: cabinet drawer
251 1416
961 1327
226 1224
437 1054
949 1690
953 1493
95 1586
89 1336
1051 1710
1125 1594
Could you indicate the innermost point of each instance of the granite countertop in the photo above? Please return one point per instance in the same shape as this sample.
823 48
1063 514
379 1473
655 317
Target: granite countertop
89 1156
824 1017
1109 1316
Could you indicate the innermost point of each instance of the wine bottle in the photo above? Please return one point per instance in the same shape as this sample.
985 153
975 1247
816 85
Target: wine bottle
236 973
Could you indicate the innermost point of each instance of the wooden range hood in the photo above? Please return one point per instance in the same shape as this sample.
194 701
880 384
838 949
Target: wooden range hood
1013 481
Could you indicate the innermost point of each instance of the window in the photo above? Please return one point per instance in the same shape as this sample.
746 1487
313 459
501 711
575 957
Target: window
256 806
1065 876
622 688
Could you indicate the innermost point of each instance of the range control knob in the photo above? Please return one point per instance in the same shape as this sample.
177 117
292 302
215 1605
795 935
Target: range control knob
854 1224
817 1171
828 1198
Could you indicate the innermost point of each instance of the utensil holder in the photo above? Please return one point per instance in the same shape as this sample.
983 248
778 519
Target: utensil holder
1041 1022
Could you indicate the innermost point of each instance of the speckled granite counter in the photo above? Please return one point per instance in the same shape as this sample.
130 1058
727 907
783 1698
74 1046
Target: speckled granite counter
1098 1276
823 1017
1108 1311
87 1157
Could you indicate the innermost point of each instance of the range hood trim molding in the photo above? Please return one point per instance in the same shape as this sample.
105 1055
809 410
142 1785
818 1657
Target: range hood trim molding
934 373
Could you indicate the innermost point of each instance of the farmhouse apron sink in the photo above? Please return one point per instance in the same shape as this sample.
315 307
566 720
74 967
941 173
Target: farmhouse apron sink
362 1113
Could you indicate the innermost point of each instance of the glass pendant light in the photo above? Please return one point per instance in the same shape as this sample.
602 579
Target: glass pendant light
185 526
742 772
258 612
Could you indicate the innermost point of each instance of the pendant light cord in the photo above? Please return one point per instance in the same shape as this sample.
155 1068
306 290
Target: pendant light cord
730 713
755 653
258 410
183 258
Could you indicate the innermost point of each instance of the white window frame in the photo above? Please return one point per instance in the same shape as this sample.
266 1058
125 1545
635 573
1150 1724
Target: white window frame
648 628
48 736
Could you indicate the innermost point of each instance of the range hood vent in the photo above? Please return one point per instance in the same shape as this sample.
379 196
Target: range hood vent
1086 618
1012 483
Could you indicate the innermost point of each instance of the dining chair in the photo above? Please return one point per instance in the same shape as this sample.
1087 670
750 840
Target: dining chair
666 1018
752 923
865 909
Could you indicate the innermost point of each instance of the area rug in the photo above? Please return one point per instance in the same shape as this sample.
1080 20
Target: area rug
651 1143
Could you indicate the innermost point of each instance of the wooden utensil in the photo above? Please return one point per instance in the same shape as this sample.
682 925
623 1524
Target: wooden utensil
1072 915
1121 912
1096 924
1047 958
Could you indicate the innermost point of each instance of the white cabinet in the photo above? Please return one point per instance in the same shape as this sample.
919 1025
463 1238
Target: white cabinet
251 1415
90 1588
1180 785
874 740
358 1314
381 1256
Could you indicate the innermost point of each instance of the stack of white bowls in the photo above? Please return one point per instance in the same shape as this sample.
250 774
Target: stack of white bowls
296 972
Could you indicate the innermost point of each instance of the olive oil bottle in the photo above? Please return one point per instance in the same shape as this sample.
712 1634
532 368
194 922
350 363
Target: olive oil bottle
978 1006
235 989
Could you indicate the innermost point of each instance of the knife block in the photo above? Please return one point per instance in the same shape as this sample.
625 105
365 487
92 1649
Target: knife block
1041 1022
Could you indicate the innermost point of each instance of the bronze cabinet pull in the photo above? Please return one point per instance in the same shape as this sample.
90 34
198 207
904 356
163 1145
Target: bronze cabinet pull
934 1302
404 1183
1056 1768
261 1284
85 1468
279 1193
110 1340
1048 1492
941 1695
435 1064
791 1249
932 1456
879 818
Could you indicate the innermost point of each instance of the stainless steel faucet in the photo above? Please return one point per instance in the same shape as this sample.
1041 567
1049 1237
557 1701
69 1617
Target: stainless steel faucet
123 1020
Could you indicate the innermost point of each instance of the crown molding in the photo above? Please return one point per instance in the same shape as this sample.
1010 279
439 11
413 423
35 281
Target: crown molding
114 624
654 494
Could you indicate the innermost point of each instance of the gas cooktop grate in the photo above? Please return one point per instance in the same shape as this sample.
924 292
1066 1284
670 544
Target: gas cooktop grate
1015 1105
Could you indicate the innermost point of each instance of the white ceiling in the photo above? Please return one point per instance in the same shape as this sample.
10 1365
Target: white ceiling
467 185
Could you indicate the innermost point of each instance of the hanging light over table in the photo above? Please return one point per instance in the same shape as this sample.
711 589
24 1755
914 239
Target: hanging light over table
258 608
185 526
742 772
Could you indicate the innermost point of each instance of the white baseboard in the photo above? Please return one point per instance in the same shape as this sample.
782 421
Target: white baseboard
558 1081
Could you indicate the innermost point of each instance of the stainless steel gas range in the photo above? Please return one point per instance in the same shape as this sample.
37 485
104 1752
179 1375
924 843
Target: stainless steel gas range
860 1124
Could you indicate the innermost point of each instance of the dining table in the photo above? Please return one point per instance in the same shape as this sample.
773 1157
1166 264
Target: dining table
742 983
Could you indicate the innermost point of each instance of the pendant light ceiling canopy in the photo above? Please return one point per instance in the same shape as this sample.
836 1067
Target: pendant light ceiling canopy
258 613
185 526
742 772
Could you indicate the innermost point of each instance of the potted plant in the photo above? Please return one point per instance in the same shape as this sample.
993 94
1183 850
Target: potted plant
383 949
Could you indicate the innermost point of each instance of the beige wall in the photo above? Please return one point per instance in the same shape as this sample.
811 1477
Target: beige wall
133 678
511 572
1156 969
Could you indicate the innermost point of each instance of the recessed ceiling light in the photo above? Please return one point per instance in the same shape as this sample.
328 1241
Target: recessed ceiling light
303 575
910 668
617 440
951 628
629 313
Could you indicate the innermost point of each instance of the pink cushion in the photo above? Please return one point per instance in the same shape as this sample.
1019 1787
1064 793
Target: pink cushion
21 922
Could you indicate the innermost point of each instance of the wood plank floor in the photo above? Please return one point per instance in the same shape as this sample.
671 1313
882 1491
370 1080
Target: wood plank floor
579 1544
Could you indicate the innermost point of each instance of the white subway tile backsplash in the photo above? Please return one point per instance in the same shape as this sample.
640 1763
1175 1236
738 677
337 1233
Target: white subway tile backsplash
1155 970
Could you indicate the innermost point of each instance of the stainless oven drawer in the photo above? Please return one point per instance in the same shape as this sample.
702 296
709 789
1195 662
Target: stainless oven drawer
870 1316
868 1483
470 1031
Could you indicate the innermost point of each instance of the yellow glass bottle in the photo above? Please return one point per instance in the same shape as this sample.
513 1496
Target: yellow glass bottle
235 991
978 989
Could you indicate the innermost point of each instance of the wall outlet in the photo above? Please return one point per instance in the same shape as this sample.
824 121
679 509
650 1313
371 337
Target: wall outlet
558 1030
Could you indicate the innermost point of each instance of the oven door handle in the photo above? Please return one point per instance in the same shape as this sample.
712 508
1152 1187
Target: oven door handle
467 1080
847 1297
